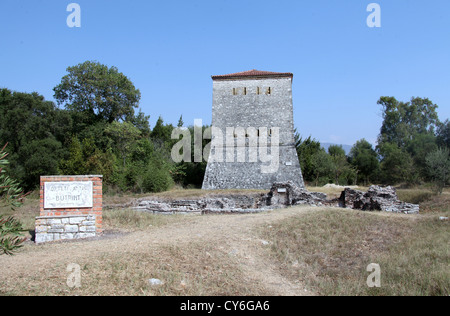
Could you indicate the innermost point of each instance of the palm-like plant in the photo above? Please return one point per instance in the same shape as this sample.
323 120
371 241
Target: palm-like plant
11 237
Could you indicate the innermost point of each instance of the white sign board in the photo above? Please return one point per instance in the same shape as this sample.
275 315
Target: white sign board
68 194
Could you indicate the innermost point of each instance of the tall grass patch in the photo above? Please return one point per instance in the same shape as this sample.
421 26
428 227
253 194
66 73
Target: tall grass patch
329 251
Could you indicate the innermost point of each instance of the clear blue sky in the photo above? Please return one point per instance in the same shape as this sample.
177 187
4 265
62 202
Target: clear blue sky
170 49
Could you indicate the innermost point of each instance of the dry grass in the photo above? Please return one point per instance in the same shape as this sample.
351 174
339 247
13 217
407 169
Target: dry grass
187 270
129 220
325 250
26 214
330 250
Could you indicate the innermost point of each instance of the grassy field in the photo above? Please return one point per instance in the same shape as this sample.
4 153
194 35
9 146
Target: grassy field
318 251
330 250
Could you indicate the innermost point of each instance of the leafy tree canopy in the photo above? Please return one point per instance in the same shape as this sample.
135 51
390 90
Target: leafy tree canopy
403 120
99 91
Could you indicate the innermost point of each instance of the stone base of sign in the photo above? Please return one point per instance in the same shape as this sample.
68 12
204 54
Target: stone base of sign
55 228
59 213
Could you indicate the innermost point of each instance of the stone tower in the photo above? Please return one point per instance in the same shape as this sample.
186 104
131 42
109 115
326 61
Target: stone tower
252 131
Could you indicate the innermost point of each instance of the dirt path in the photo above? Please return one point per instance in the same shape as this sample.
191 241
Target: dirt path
234 234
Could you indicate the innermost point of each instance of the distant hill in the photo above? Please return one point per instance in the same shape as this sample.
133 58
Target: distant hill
347 148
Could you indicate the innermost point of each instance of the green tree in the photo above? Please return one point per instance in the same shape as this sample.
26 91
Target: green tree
180 122
306 149
341 167
364 158
85 158
36 130
140 121
11 237
162 132
396 165
125 136
98 92
323 167
438 167
443 134
419 147
403 120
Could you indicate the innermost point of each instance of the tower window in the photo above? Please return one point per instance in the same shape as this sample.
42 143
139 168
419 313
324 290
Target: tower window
269 91
245 91
234 91
258 90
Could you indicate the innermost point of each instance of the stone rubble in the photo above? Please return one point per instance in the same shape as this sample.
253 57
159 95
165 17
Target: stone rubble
376 199
281 195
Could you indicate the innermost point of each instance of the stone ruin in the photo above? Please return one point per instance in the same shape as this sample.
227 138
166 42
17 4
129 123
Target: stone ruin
281 195
376 199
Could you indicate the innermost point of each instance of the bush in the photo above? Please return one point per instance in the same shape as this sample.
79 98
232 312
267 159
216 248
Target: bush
438 168
157 179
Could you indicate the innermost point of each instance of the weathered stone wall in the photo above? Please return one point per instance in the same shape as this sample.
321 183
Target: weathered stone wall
248 175
54 228
250 109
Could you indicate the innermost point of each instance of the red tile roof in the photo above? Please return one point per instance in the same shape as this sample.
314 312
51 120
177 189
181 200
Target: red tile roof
254 74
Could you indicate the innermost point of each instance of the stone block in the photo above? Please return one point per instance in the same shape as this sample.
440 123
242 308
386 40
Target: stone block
41 222
43 237
67 236
41 229
88 223
71 228
65 220
88 229
85 235
56 230
54 221
76 220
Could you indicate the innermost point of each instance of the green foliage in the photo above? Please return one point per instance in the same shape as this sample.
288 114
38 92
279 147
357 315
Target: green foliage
419 147
35 130
86 158
162 132
342 170
403 120
364 158
409 132
443 134
306 149
124 136
157 177
438 168
396 165
10 191
192 173
11 237
99 92
323 167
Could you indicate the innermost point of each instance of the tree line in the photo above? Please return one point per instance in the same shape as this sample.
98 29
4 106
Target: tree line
412 148
96 127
